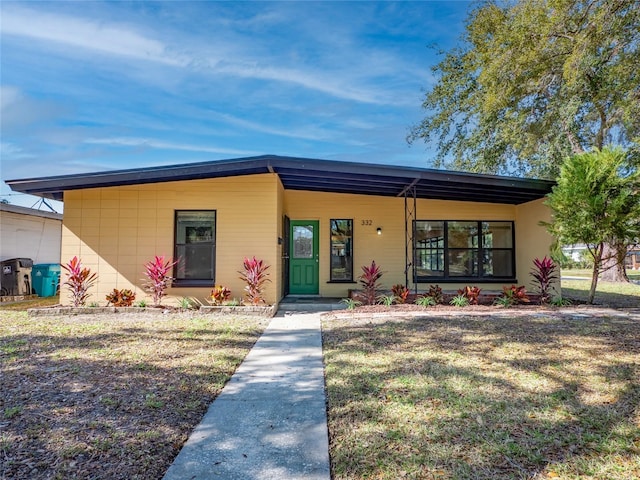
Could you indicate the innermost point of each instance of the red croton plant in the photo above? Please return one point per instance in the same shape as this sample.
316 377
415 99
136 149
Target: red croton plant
79 281
158 273
369 281
255 276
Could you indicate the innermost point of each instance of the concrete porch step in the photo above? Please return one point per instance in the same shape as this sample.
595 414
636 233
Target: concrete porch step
309 303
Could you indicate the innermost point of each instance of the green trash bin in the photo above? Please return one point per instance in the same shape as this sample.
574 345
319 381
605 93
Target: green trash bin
45 278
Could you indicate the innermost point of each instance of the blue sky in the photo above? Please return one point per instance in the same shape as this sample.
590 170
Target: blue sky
89 86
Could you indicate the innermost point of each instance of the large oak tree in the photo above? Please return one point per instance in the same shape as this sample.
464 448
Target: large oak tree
534 82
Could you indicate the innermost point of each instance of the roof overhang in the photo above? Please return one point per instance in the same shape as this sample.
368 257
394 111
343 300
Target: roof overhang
313 175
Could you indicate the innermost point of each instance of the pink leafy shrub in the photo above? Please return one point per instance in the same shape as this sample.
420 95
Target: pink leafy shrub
369 281
544 271
255 276
79 281
158 272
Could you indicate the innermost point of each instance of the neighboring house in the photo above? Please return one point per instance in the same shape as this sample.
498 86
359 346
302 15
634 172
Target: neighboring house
29 233
575 252
315 222
632 260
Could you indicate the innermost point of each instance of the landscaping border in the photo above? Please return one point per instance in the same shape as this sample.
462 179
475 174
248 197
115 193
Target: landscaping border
267 311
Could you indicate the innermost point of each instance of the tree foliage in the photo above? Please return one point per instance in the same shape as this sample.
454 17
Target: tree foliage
534 82
596 202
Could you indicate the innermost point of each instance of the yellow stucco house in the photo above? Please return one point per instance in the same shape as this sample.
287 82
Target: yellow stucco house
315 222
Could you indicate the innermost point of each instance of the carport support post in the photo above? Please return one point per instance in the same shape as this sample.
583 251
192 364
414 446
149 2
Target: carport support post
410 209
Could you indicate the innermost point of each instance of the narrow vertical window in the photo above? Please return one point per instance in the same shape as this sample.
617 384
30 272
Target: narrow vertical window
463 248
497 245
195 245
341 250
429 252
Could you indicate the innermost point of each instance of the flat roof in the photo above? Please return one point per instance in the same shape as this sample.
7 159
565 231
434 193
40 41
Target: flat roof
8 207
310 174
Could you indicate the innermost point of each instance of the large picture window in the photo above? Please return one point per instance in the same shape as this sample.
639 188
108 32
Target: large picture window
341 250
195 247
461 250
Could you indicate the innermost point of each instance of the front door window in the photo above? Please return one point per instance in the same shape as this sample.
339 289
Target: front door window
303 241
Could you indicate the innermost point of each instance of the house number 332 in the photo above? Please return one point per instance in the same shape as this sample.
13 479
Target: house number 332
366 222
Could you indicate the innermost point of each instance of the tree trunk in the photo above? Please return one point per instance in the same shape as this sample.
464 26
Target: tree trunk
596 252
594 283
613 263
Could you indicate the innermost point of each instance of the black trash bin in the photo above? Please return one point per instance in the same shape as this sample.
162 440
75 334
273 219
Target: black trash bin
16 276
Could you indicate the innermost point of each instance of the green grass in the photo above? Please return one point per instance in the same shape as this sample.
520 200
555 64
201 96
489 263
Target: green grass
109 396
607 293
527 397
586 272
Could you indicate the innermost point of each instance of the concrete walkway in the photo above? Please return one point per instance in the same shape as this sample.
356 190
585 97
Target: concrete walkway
269 421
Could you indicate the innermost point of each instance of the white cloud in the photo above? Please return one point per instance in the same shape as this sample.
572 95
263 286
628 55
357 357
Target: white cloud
159 144
320 82
9 151
306 132
237 59
86 34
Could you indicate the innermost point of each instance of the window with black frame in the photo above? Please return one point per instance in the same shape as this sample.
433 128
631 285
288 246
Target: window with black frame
460 250
195 244
341 250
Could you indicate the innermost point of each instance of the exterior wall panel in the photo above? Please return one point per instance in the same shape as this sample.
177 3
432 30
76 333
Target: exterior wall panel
533 239
137 222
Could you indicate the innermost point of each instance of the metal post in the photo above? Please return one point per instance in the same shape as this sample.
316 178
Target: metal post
409 217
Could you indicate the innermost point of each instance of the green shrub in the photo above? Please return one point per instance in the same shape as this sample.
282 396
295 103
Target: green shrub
459 301
425 301
350 303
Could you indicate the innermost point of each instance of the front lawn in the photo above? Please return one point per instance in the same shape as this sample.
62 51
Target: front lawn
586 272
607 293
109 396
516 395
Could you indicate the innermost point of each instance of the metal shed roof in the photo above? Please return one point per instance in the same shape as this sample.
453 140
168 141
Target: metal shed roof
310 174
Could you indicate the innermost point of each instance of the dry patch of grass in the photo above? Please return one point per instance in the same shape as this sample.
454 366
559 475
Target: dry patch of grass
109 397
525 396
33 303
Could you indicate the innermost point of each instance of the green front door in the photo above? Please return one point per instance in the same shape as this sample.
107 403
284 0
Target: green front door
303 261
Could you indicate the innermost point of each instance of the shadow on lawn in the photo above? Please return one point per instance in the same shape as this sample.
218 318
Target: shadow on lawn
484 398
115 405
